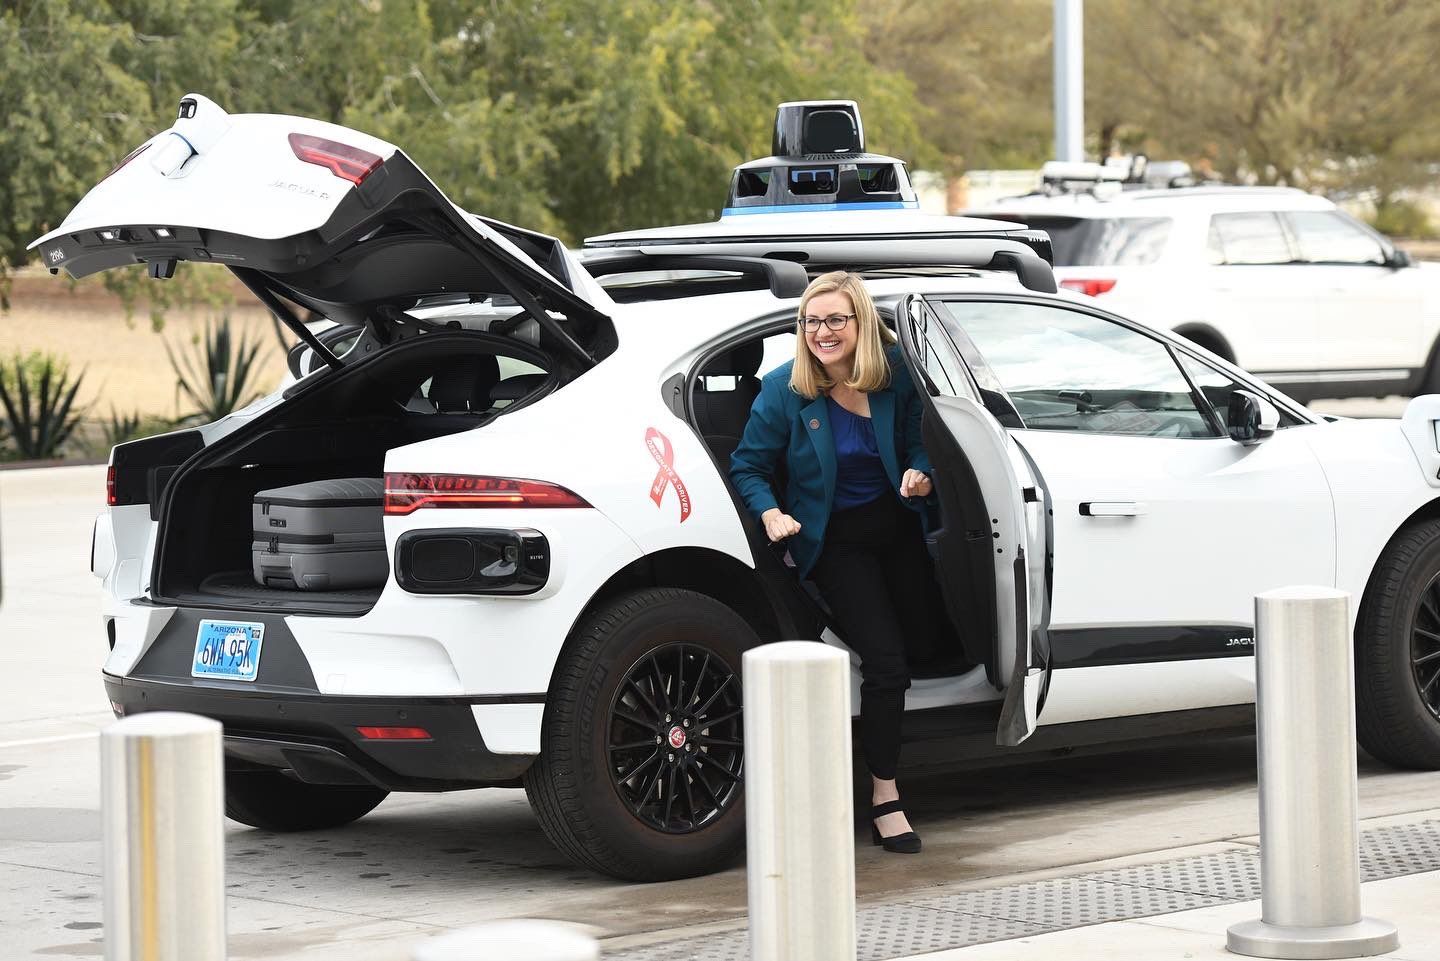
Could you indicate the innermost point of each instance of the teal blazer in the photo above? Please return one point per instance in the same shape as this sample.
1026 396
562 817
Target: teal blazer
785 425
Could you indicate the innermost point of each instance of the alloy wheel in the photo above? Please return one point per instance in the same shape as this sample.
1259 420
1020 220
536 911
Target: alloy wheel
675 741
1425 646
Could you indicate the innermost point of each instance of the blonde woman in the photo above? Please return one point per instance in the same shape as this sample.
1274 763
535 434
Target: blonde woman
844 419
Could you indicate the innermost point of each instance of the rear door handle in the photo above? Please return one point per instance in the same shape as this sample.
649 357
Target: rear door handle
1112 509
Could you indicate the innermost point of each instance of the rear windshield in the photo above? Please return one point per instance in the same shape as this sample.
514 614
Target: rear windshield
1090 241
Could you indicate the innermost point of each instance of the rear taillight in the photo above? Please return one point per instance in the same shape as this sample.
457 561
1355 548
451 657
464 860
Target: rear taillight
1090 288
394 733
344 161
110 486
405 493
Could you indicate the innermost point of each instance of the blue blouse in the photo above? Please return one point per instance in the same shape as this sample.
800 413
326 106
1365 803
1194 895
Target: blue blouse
859 473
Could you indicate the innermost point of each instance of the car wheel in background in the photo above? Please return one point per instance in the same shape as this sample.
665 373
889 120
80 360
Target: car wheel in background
640 774
1397 652
275 802
1209 340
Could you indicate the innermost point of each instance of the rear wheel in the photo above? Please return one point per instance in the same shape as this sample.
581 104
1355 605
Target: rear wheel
274 802
1397 653
640 774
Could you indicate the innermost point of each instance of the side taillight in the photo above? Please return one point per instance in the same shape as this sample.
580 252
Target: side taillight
1090 287
110 486
342 160
406 493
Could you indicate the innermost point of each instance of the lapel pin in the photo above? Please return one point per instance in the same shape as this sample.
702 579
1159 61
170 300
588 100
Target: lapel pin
814 423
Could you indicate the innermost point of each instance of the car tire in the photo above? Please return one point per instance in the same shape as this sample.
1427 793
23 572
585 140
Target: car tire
616 788
274 802
1397 701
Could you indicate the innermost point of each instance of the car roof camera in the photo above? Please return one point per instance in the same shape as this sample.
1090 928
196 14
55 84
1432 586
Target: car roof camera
818 162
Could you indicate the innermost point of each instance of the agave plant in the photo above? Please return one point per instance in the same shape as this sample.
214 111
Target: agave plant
216 376
38 395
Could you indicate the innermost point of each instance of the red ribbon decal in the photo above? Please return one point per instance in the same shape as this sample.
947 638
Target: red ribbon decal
659 446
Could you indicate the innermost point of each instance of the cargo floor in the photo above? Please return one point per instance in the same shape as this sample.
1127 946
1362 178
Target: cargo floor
238 590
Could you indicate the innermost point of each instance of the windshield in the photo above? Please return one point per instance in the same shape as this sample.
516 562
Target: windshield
1094 241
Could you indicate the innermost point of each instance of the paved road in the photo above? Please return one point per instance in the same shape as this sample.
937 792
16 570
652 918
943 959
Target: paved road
424 863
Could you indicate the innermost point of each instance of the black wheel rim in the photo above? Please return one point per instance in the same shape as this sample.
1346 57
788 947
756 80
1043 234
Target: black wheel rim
1425 646
675 738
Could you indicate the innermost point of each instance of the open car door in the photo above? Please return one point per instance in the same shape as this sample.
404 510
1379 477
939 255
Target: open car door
992 552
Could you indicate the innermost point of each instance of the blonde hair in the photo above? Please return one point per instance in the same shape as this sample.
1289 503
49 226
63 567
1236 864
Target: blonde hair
870 370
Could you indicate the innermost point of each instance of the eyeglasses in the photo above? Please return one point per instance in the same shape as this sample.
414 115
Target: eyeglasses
834 321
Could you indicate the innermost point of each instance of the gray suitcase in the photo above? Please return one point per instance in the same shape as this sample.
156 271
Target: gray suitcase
324 535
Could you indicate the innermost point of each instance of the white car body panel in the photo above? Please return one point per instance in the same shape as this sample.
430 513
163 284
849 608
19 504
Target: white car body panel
1203 503
246 180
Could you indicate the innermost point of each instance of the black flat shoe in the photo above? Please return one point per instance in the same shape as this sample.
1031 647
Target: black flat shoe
907 843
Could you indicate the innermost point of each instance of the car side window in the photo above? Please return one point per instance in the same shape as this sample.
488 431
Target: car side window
1253 237
1067 370
1330 237
1218 386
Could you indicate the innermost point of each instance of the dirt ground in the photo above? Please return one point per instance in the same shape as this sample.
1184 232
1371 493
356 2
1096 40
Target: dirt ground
124 363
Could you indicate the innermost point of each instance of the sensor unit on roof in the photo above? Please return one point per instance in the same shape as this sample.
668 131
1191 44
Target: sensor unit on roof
819 163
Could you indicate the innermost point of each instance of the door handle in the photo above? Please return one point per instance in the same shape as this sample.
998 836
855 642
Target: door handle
1112 509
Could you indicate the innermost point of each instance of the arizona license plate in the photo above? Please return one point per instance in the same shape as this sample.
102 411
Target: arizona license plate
228 649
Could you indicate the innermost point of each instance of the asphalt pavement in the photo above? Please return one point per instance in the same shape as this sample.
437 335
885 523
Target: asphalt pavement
423 864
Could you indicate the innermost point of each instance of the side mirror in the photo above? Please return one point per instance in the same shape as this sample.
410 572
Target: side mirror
1251 418
1399 258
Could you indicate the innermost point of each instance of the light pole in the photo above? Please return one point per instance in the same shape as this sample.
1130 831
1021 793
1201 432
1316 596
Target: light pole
1069 80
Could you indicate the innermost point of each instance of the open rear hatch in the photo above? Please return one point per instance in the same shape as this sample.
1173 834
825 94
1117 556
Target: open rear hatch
454 309
323 216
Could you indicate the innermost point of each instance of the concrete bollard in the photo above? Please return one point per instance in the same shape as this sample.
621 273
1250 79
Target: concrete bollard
163 808
1309 838
511 941
800 832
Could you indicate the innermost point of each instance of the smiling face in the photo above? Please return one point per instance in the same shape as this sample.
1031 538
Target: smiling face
835 349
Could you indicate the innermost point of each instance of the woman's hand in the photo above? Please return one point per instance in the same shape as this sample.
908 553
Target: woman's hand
779 525
915 484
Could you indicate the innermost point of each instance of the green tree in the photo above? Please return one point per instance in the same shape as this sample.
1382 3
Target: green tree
981 72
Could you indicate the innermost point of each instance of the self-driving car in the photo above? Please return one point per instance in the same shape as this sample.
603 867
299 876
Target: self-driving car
568 579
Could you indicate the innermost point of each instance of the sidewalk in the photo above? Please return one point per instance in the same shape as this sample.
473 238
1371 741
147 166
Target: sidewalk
1175 903
1406 902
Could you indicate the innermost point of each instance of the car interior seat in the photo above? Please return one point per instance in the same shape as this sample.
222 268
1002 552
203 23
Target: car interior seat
465 385
721 412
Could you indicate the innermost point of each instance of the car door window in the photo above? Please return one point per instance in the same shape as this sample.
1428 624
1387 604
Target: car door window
1330 237
1217 387
1067 370
1254 237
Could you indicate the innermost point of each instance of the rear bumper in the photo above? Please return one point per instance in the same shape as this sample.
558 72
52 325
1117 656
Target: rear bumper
315 737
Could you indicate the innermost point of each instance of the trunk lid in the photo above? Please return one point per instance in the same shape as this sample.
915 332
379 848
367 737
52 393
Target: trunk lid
324 216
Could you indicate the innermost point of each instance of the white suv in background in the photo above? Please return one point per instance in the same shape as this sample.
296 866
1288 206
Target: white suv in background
1274 279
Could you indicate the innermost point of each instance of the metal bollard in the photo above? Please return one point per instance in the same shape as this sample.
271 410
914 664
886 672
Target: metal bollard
1309 840
163 799
511 941
800 833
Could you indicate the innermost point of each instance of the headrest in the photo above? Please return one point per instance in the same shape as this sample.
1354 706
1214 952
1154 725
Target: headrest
465 384
741 361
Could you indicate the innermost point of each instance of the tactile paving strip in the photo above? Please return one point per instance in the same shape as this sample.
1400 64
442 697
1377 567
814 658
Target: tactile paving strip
922 925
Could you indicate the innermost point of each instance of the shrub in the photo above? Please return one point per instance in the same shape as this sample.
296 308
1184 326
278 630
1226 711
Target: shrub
1403 218
216 375
38 397
119 428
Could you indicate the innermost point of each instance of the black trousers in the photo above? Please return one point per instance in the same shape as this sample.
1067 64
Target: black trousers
876 575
